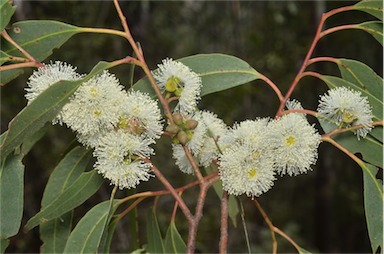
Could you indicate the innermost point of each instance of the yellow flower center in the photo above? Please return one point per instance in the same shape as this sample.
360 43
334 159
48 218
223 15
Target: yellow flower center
251 173
290 140
172 84
348 117
97 112
94 92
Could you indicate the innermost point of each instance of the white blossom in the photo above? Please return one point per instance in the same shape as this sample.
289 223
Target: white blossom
119 158
294 144
346 107
177 78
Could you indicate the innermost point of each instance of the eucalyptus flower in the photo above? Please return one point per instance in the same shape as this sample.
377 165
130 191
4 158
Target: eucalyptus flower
294 144
346 108
245 170
95 107
179 80
141 115
120 158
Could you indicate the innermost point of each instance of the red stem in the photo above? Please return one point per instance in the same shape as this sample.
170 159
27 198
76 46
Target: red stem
310 52
224 224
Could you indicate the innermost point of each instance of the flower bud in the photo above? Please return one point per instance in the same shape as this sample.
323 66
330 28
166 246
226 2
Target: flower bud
172 129
182 137
177 118
191 124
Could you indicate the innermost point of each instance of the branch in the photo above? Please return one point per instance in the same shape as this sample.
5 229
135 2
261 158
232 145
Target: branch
317 37
9 39
224 223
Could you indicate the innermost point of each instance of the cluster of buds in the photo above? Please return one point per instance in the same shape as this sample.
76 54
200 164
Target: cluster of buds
181 130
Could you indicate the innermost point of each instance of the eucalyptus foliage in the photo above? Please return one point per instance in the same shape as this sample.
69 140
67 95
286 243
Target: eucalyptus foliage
244 159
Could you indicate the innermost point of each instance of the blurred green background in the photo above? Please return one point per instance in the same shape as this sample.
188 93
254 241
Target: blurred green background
322 210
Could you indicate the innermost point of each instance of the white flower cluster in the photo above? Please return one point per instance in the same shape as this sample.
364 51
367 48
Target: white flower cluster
119 126
260 148
250 153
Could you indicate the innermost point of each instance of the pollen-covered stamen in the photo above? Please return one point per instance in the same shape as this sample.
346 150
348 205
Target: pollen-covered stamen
173 84
93 92
290 140
348 117
251 173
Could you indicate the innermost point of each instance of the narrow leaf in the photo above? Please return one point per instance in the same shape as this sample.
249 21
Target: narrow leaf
86 236
374 28
373 204
373 7
11 195
66 173
233 206
54 233
38 38
217 71
84 187
3 245
173 241
33 117
370 149
233 209
6 12
154 239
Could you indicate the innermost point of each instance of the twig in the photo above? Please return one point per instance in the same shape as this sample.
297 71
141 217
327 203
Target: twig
29 56
273 86
309 53
224 223
19 65
270 225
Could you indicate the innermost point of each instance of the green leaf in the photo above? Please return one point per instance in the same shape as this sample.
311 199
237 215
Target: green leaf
370 149
33 117
86 236
32 140
106 240
375 28
84 187
303 251
217 71
54 233
4 57
233 209
363 76
38 38
233 206
173 241
3 245
6 12
43 109
373 7
373 203
11 195
154 239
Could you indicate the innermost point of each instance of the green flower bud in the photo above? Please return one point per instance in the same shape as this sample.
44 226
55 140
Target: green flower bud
172 129
192 124
182 137
178 118
172 84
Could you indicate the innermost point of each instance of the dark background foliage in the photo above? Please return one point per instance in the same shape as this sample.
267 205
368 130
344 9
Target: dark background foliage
322 210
